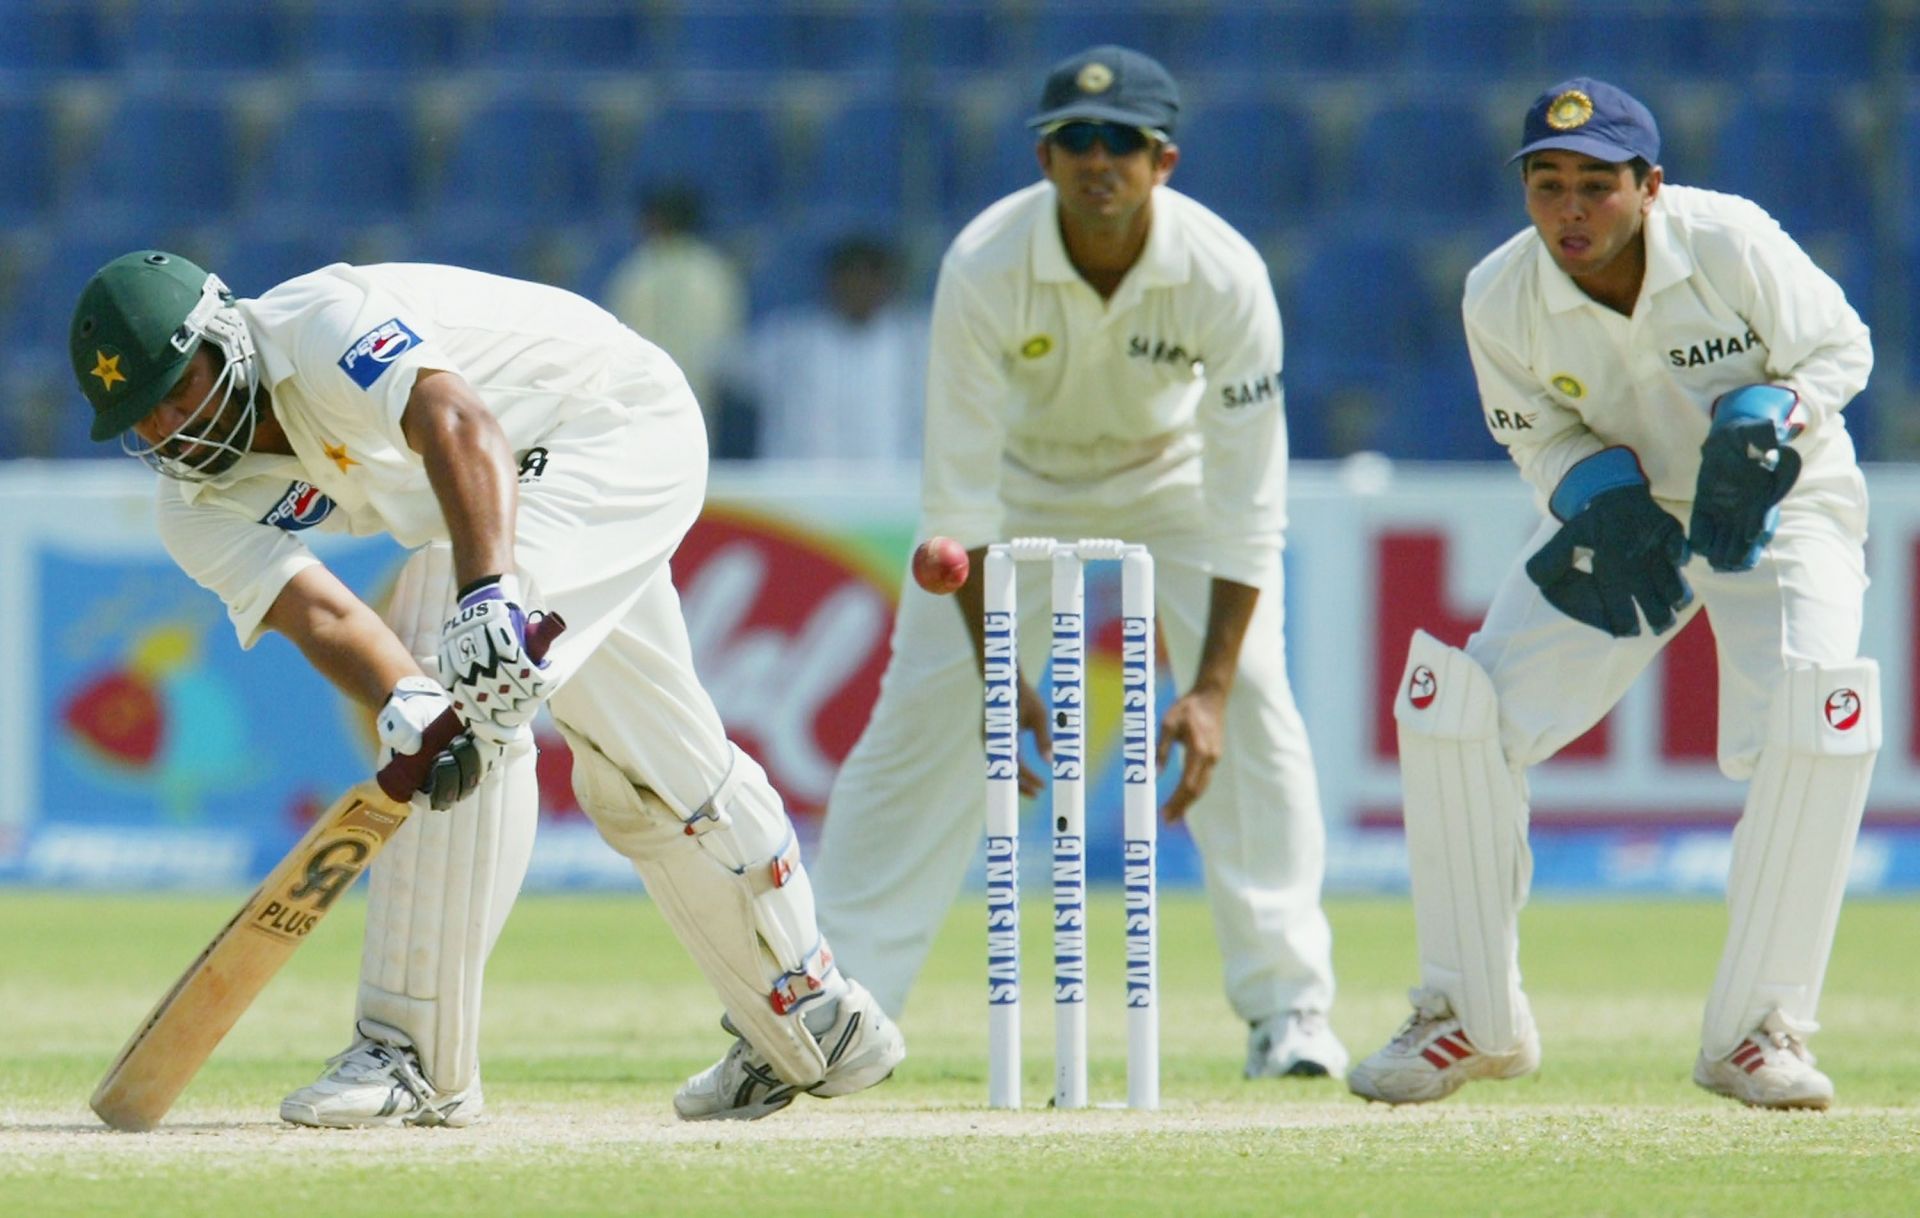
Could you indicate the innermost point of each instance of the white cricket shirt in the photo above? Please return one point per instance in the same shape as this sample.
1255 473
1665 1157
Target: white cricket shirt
339 350
1030 367
1729 299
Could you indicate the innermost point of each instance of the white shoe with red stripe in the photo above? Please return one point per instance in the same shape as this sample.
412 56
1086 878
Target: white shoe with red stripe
1769 1069
1430 1057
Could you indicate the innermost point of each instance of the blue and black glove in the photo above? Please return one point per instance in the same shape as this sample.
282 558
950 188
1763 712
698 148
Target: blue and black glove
1747 466
1617 550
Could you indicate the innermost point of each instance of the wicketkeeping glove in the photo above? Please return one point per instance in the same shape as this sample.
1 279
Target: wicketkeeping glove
457 768
497 687
1747 466
1617 551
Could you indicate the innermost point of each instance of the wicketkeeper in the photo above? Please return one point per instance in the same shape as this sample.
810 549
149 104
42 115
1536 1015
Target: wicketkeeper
1667 368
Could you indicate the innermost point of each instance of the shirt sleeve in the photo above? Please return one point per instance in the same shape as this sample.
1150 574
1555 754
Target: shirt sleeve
1243 434
966 427
1544 437
359 347
243 562
1815 341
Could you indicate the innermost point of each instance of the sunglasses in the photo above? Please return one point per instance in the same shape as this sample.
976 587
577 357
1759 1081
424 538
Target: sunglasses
1079 138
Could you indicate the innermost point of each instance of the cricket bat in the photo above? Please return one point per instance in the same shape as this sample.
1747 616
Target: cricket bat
180 1033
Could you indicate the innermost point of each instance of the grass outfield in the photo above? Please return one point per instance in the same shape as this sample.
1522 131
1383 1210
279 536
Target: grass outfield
595 1014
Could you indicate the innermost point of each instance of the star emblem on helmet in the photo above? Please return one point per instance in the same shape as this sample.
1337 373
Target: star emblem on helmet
107 369
337 453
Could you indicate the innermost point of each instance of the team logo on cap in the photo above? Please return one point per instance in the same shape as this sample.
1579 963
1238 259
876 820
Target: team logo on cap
1036 347
1569 110
107 369
1094 78
1569 386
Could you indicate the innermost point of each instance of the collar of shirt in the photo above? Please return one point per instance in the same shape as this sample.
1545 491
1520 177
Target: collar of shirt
1668 263
1164 262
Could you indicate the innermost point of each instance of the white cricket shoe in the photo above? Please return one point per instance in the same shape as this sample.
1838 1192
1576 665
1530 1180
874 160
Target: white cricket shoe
1430 1057
862 1047
1769 1069
377 1081
1297 1044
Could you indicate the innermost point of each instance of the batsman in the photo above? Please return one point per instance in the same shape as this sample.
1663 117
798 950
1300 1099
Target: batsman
537 456
1667 368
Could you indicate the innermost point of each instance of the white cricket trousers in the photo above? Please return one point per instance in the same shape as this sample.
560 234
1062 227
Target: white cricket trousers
908 809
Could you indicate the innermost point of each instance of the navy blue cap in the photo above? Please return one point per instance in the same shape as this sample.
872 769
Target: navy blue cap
1590 116
1109 84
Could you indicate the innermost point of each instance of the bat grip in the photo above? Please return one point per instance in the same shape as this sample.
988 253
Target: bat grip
402 776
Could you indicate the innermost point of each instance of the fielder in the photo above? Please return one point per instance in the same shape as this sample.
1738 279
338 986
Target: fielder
1105 362
1649 354
537 454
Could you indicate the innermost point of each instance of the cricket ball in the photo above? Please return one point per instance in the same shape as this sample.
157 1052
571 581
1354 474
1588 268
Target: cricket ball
940 565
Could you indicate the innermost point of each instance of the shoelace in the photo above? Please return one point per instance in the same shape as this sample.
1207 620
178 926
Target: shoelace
363 1062
371 1061
1790 1043
1428 1010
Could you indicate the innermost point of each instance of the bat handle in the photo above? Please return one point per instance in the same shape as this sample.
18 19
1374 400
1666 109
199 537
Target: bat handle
402 776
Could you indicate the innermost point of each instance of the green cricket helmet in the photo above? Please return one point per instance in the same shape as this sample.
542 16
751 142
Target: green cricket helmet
139 321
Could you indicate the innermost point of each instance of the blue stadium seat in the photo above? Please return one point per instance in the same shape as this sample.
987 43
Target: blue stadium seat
27 188
1062 28
201 34
872 156
1427 164
728 152
58 36
477 246
1360 328
521 160
989 164
1467 37
847 36
258 259
1255 162
792 34
349 156
1255 39
377 34
1638 44
567 34
1795 157
957 37
1823 42
48 289
168 160
738 36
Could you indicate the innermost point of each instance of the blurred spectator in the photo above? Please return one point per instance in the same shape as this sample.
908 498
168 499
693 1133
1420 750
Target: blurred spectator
843 378
681 292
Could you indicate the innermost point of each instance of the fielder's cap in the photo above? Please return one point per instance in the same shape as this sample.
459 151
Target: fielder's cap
125 340
1593 117
1109 84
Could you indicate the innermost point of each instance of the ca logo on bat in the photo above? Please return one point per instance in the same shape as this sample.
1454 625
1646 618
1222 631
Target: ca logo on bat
330 870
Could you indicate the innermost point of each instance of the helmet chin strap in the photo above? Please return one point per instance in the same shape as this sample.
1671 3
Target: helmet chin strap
214 319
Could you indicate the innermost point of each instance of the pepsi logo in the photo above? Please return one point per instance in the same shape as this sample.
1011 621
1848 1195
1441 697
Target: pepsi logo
301 507
1843 710
1422 687
387 346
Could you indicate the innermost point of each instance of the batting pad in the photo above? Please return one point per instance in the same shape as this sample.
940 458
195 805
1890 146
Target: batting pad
1466 825
729 882
440 892
1792 849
